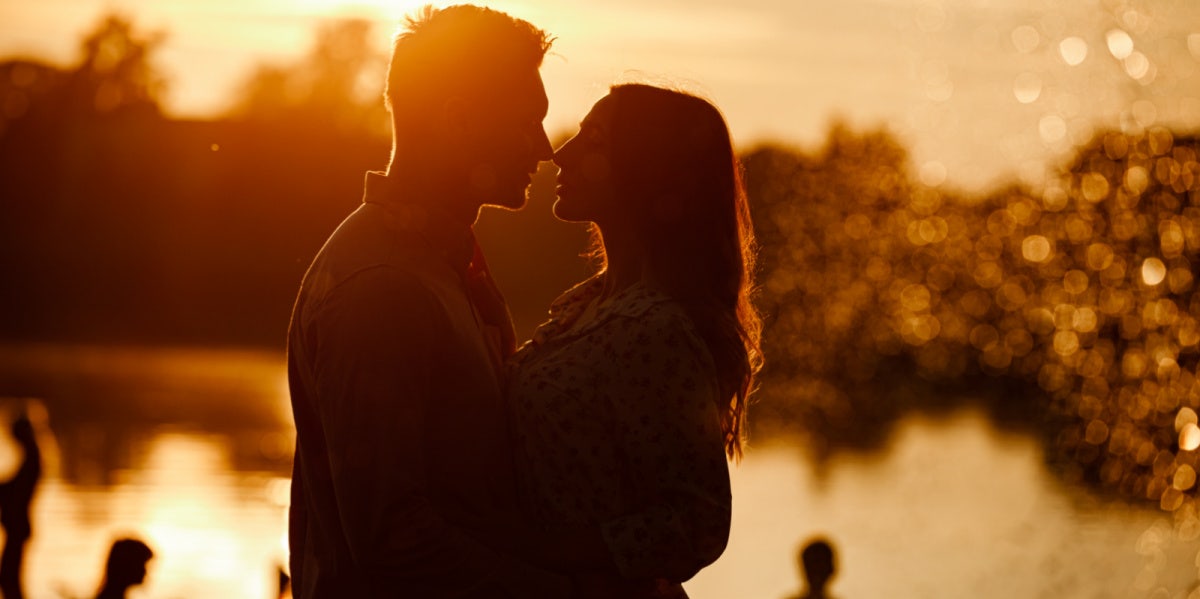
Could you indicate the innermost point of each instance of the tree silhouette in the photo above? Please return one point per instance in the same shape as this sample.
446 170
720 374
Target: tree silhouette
24 83
116 72
337 86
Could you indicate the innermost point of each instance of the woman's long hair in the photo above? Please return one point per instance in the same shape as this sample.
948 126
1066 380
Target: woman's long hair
673 161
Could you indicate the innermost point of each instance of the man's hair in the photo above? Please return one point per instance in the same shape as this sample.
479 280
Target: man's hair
460 50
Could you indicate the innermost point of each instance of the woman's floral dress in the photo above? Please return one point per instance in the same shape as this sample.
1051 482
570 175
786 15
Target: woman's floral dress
617 426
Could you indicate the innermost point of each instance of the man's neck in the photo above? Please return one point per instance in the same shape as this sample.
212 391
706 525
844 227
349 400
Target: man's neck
435 196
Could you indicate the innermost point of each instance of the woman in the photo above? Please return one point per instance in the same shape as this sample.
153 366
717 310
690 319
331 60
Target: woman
628 400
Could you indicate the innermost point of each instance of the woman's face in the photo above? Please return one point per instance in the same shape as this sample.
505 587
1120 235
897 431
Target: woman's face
586 190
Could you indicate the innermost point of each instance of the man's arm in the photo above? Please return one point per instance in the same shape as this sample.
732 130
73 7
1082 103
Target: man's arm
374 368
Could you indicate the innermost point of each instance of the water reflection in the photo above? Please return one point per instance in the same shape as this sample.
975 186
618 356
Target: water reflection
217 531
186 448
991 521
194 489
947 507
102 400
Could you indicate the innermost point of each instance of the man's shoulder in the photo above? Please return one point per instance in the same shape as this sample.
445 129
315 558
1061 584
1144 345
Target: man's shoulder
364 246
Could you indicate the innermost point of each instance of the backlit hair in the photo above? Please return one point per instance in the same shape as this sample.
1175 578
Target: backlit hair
459 51
673 159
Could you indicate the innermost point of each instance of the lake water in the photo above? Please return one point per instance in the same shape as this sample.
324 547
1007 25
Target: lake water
189 449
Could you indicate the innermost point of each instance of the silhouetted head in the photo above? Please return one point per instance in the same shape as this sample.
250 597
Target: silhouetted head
22 430
126 565
467 103
818 562
656 167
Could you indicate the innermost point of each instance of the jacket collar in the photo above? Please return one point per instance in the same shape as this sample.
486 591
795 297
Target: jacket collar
410 213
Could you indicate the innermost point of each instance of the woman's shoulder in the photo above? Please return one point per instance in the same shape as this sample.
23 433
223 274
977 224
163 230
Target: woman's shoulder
647 307
658 325
577 295
640 315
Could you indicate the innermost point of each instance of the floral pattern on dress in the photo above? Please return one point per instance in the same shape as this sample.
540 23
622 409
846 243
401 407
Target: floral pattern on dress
617 422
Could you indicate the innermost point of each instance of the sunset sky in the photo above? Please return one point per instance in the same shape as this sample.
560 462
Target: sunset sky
978 89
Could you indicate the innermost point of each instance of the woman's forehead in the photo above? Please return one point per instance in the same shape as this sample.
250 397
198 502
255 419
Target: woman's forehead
600 113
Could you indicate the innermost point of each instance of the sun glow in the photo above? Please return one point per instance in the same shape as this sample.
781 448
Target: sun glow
386 13
371 9
190 525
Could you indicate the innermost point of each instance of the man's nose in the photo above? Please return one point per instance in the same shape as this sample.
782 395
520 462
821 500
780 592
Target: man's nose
541 146
563 154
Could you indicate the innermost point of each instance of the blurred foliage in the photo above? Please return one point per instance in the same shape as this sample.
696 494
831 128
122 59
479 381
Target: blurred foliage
123 225
1069 309
116 72
870 279
115 76
339 84
126 226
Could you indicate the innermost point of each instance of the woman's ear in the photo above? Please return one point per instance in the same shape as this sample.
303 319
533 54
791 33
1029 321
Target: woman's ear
667 207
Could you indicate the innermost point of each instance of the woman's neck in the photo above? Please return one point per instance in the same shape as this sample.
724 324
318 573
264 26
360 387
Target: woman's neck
627 263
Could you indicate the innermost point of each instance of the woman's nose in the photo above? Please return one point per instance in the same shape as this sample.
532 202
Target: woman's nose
563 154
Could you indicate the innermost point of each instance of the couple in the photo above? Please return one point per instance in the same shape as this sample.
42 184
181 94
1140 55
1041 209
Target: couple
434 458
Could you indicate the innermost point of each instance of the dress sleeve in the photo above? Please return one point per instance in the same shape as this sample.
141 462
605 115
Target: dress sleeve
664 392
372 370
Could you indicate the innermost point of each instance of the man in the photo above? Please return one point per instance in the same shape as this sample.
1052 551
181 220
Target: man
398 332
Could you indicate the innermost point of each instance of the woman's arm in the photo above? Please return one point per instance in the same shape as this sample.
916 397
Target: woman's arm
662 386
664 389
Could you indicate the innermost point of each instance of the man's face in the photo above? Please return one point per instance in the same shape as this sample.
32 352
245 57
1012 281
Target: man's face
505 140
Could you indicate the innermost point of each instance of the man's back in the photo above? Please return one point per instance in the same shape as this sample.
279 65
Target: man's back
398 411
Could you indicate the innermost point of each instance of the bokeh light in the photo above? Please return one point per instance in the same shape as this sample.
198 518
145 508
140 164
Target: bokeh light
1027 87
1025 39
1082 288
1052 128
1189 437
1073 50
1119 44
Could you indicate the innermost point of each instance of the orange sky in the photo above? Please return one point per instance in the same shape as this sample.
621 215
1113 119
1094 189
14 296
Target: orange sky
978 89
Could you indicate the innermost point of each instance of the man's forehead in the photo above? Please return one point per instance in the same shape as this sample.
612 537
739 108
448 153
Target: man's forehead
521 93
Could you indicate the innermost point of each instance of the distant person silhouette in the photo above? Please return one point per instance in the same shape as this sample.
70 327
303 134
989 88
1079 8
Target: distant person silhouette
285 584
398 333
818 564
125 568
16 495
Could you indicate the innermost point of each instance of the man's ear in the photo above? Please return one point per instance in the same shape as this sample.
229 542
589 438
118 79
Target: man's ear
453 117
